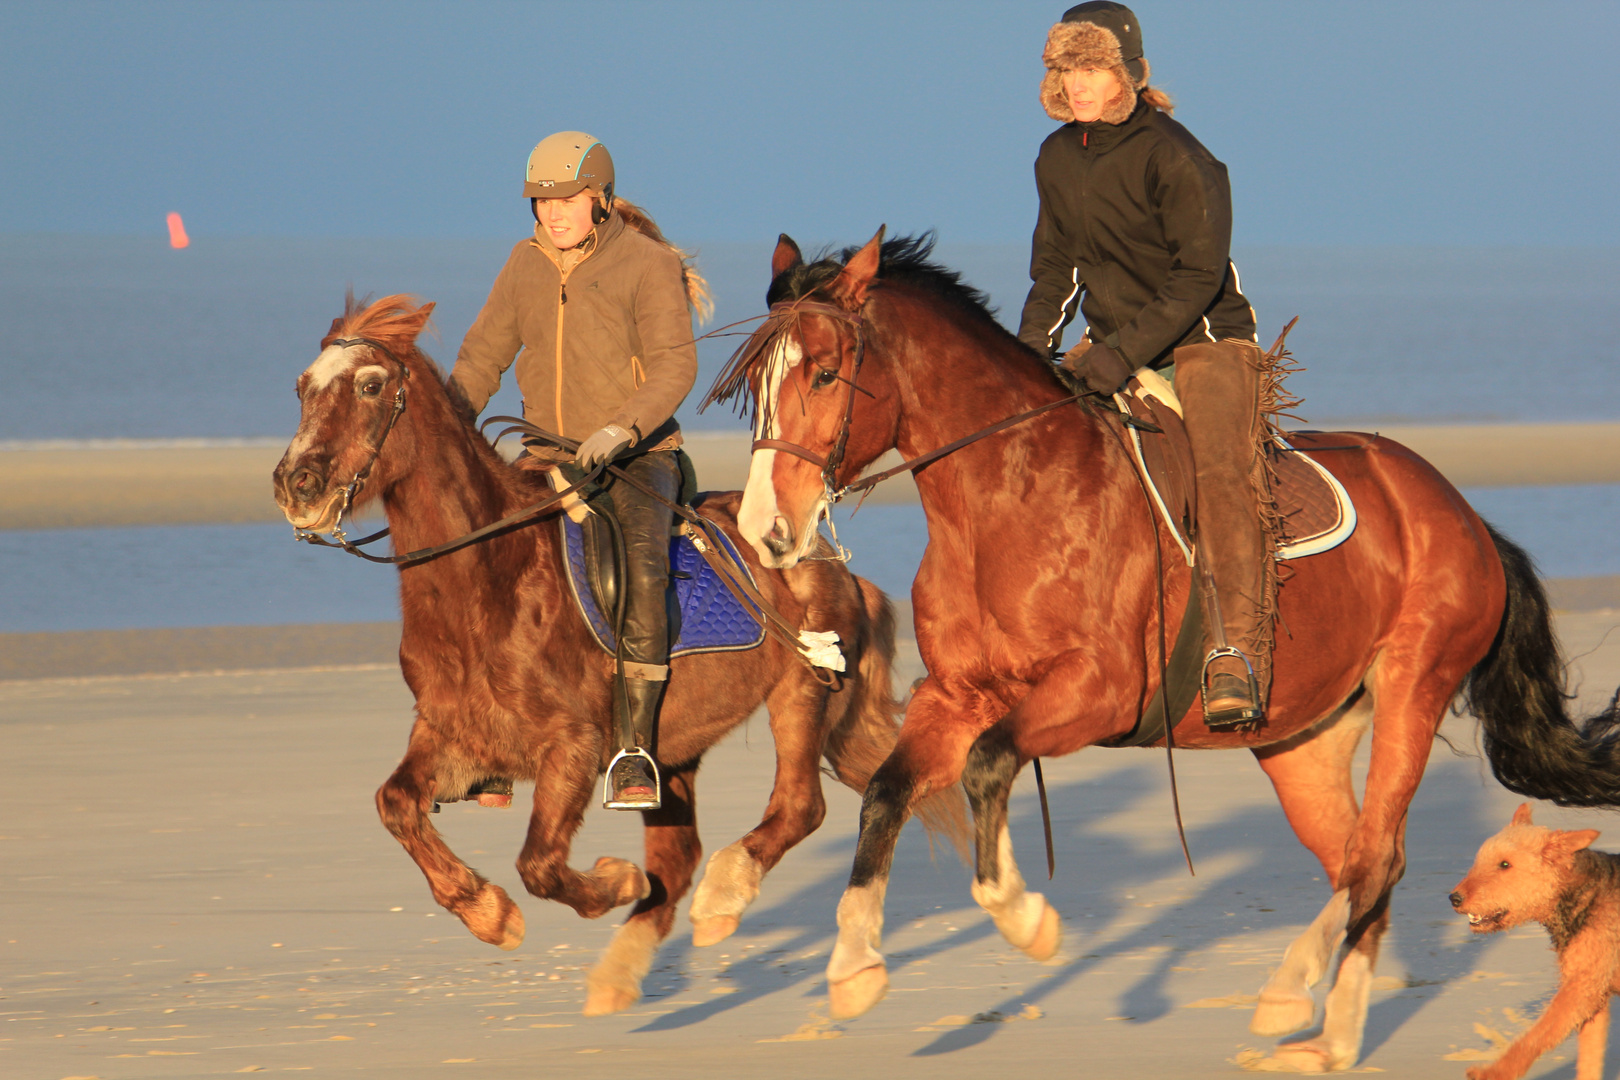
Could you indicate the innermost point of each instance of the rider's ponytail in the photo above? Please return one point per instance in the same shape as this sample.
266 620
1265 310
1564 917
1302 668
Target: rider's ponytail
697 286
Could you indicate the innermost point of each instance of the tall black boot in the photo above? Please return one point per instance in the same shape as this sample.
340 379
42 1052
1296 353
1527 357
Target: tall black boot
632 781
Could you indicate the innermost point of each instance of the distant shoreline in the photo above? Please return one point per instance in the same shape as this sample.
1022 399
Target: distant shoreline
56 484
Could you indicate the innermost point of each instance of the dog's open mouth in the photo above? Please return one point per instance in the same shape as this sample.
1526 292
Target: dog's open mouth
1485 924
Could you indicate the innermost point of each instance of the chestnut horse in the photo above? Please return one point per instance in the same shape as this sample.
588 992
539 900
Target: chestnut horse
1038 616
510 685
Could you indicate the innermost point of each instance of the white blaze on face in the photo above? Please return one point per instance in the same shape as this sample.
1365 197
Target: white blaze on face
757 515
331 364
333 361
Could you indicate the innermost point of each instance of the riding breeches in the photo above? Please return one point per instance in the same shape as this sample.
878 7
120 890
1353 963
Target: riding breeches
645 523
1219 388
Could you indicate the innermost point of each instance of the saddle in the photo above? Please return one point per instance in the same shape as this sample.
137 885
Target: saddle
1314 511
706 616
1314 514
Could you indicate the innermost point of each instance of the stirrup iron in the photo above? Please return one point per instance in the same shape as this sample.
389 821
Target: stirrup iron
611 803
1230 718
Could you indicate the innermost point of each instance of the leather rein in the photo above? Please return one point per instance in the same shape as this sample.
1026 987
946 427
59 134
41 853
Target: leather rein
784 314
355 485
704 534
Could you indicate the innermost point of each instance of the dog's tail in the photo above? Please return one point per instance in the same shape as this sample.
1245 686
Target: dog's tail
863 739
1535 746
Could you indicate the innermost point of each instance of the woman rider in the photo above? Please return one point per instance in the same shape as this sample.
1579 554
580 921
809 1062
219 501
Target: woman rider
1134 229
596 309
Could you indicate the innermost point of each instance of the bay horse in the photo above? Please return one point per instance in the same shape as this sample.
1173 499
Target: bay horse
510 685
1038 615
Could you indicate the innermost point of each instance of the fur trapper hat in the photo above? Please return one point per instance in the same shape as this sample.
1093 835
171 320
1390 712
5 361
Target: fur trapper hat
1078 42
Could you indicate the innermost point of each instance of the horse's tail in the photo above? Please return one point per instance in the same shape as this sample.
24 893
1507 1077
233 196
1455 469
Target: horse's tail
1535 746
870 727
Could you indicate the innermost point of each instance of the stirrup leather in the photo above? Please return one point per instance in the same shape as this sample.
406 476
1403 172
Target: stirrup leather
1231 717
611 803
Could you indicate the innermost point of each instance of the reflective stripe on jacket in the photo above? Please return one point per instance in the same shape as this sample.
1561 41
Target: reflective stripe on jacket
1136 226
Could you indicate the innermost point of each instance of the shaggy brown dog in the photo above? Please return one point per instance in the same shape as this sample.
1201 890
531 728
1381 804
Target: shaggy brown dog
1526 873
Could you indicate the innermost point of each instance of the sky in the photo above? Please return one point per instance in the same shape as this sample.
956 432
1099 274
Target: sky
1422 123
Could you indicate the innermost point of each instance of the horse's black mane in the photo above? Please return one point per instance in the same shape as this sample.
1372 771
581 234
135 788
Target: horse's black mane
904 259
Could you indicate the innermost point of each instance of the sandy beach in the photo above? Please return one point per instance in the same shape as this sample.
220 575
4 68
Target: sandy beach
200 888
132 483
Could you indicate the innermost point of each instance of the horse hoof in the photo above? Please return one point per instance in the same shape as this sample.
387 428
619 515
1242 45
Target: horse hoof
1048 936
714 930
493 918
858 993
1302 1057
605 1000
632 885
1279 1016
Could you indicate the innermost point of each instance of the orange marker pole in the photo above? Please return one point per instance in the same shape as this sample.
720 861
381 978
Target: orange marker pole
177 232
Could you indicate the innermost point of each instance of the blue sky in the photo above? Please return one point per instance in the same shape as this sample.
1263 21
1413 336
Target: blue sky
1484 123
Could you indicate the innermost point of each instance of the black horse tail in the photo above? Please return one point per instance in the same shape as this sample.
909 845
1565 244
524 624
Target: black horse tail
1534 745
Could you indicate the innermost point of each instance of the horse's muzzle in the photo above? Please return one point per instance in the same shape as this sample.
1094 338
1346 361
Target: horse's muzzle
302 494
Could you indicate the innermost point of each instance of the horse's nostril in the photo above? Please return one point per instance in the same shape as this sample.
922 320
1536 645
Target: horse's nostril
1456 899
304 480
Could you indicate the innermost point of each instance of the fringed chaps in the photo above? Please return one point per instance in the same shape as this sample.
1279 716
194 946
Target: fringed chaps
1221 386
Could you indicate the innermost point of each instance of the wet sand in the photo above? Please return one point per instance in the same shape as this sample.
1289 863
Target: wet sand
135 484
198 887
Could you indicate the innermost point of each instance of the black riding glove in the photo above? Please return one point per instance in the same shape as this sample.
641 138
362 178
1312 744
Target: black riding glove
603 445
1097 366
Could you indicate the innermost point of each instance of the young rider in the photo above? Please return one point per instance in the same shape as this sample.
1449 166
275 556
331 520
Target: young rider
1134 230
596 310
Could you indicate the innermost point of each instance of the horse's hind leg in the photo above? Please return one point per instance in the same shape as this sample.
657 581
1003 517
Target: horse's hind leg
1410 687
798 708
1024 918
404 802
672 854
1311 775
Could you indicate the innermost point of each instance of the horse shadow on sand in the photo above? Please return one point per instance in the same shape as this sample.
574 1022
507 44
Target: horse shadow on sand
1253 876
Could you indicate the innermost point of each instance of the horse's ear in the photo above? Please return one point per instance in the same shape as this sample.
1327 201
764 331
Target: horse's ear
852 282
1521 816
786 256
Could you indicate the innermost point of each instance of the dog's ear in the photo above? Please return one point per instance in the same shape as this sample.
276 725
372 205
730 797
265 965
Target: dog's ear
1566 844
1521 816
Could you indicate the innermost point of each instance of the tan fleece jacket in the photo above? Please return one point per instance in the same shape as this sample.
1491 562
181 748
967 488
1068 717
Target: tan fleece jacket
604 332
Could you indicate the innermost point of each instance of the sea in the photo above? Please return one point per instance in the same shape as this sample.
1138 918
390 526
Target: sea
123 338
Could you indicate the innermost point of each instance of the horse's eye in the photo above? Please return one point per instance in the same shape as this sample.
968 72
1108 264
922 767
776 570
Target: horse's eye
825 378
1505 865
371 388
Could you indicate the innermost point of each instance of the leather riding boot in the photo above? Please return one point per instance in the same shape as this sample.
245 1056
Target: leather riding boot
1219 387
633 782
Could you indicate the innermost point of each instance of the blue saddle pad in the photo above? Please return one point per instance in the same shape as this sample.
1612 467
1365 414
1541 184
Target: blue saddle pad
712 618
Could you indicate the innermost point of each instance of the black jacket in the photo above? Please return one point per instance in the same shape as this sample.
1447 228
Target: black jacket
1135 223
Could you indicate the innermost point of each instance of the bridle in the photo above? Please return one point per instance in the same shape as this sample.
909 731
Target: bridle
355 485
783 316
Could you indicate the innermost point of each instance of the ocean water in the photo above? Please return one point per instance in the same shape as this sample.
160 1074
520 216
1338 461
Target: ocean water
237 575
122 337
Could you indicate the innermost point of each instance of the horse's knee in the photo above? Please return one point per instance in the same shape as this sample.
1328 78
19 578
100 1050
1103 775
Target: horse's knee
397 804
542 877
